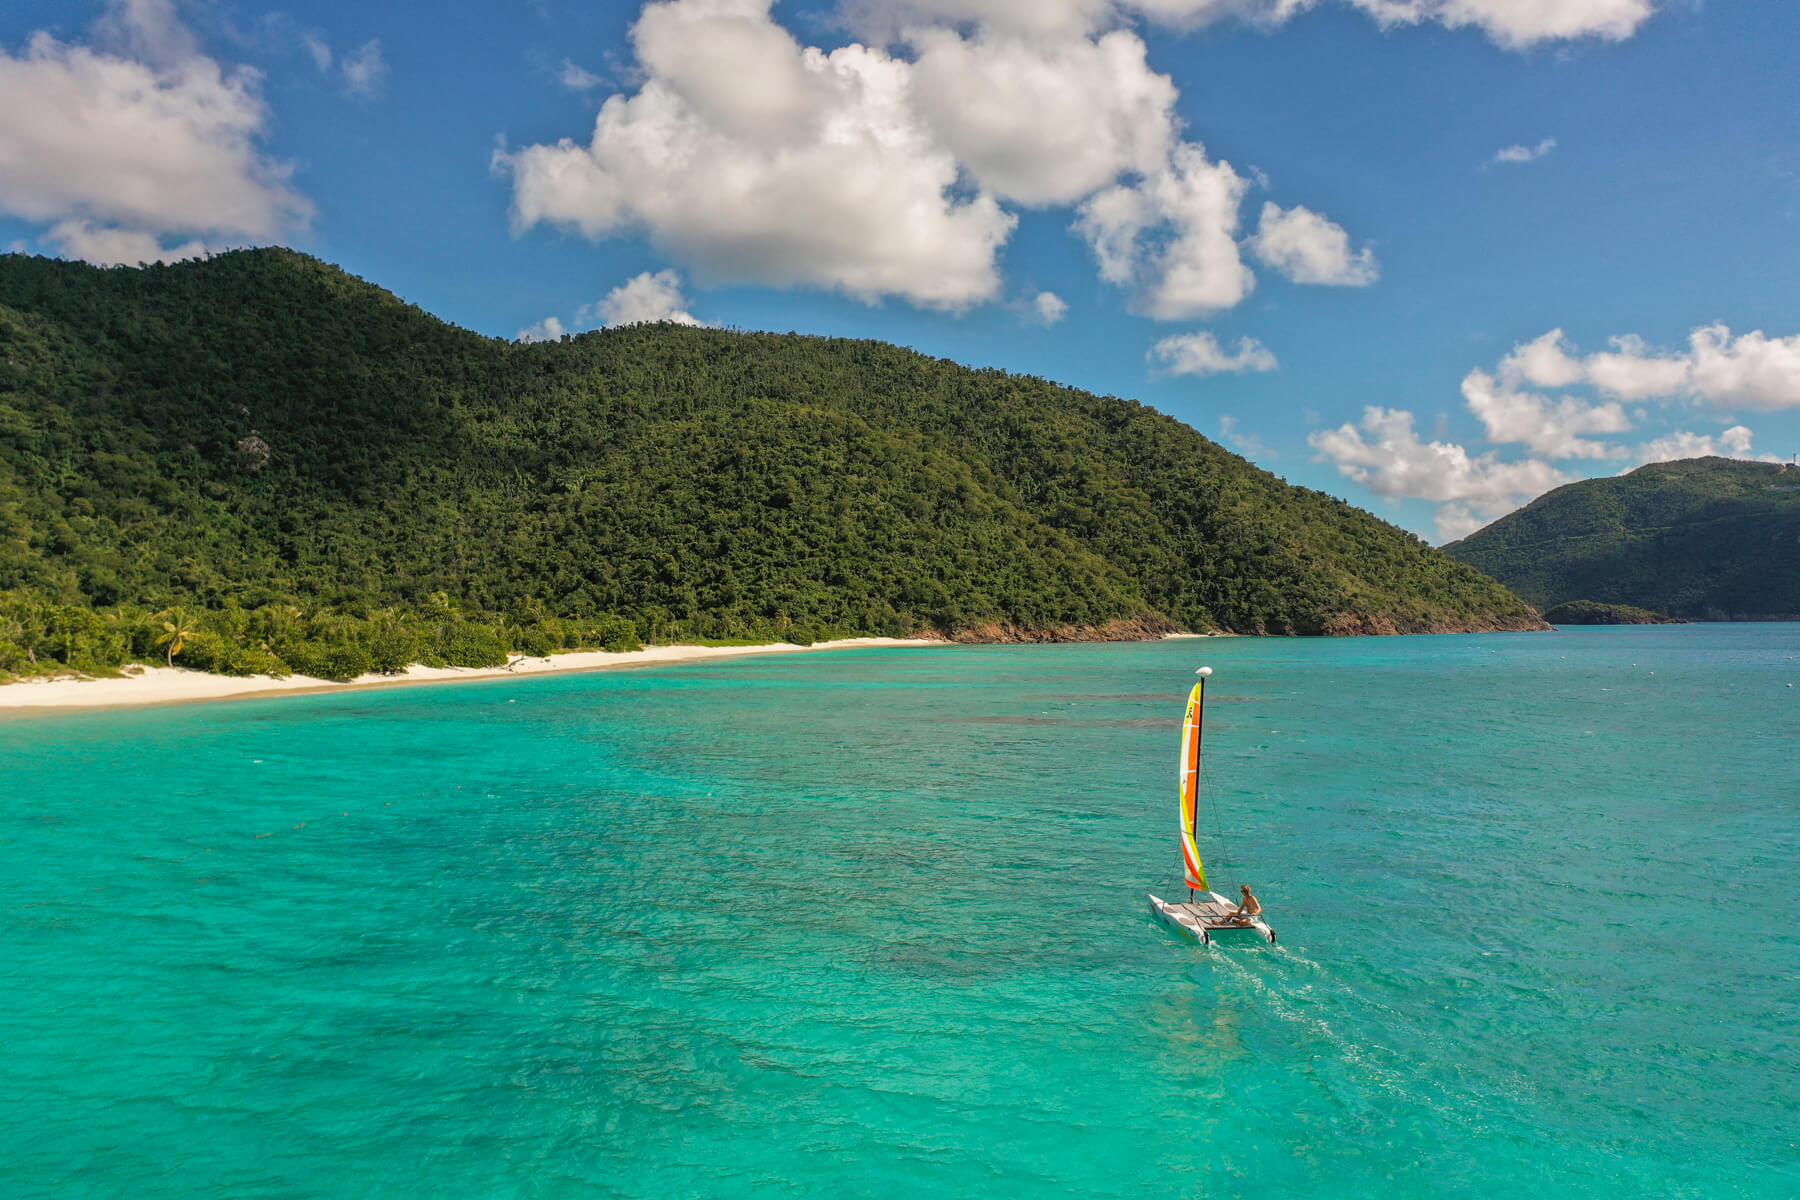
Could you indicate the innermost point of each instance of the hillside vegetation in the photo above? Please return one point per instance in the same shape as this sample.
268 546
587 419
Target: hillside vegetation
279 466
1588 612
1707 539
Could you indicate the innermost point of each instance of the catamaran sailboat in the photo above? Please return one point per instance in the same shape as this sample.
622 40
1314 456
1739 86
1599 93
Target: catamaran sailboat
1205 915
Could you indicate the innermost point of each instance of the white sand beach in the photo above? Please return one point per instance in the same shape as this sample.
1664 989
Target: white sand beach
173 685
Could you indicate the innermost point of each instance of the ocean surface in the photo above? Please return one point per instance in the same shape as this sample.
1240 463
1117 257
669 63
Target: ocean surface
872 922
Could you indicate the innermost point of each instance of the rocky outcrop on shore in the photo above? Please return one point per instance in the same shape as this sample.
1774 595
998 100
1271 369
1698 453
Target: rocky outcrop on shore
1148 628
1382 624
1155 626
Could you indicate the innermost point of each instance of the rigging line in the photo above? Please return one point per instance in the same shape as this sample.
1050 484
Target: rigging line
1219 832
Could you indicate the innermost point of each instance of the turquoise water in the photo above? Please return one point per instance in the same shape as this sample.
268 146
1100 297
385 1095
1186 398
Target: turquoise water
864 923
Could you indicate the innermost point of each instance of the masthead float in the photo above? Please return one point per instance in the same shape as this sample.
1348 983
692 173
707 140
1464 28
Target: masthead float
1205 916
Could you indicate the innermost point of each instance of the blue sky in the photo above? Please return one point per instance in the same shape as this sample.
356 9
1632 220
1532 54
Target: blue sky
1434 256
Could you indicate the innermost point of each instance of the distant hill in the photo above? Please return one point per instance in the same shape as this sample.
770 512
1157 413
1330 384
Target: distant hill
286 459
1707 539
1587 612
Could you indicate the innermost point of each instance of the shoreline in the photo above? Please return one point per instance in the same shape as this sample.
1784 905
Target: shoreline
179 685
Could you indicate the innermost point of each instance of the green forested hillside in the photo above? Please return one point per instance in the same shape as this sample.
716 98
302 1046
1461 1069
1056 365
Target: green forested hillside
1707 539
308 473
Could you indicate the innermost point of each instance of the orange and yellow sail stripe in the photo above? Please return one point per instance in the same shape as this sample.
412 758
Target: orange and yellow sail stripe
1190 785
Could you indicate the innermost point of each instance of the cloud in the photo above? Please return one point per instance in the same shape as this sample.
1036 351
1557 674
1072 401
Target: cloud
642 299
1553 428
1384 454
1192 14
577 79
1515 24
1544 361
550 329
1044 123
886 168
884 21
1247 444
1519 24
1047 308
1172 237
1730 443
1200 354
1308 248
362 72
1751 371
109 247
319 50
122 146
1634 371
1524 154
148 31
753 159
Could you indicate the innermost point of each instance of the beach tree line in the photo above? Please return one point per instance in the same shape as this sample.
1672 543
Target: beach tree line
37 637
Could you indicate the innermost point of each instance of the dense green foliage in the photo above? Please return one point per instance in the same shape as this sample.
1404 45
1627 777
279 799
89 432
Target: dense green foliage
313 470
1588 612
1708 539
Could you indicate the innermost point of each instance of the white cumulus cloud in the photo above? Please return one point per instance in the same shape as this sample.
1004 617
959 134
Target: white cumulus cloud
1172 237
642 299
1524 154
890 20
1044 123
1310 248
1553 428
751 158
645 298
111 247
1047 308
1383 452
1735 442
1201 354
1751 370
549 329
1515 24
120 147
887 167
1544 361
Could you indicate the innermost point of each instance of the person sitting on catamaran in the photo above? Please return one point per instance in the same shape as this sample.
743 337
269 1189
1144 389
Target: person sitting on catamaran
1249 909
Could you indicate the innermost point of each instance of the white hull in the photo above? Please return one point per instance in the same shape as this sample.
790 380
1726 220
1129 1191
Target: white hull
1204 919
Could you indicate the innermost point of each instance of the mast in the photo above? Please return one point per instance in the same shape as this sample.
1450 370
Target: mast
1190 785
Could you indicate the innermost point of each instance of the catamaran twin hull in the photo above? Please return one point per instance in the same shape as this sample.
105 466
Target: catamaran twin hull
1207 919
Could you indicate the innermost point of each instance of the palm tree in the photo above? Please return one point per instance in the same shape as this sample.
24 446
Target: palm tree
178 626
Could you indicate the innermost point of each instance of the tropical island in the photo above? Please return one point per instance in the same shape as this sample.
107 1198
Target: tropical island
259 464
1698 539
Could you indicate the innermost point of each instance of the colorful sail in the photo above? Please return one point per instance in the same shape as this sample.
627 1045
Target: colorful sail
1190 785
